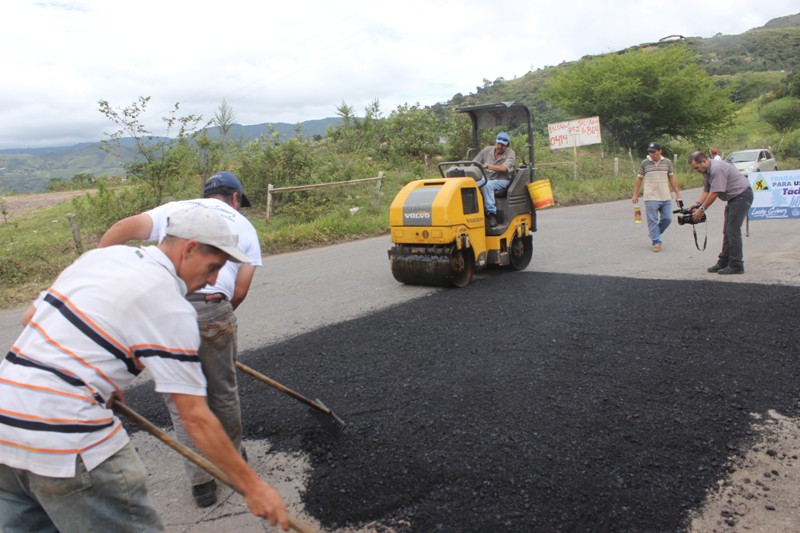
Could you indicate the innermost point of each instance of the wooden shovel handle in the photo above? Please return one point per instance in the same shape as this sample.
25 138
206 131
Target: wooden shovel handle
191 455
283 388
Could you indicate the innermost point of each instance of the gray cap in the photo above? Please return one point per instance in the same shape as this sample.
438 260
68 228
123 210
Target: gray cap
206 226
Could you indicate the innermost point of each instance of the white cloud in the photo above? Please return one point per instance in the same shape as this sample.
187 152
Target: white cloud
295 61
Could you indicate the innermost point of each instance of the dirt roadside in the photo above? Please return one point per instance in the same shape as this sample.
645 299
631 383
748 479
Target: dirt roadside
17 204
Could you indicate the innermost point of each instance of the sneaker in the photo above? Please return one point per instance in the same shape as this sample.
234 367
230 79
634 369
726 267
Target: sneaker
716 268
491 219
656 247
731 270
205 494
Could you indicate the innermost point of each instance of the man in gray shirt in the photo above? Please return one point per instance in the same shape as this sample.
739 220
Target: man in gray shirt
499 161
722 180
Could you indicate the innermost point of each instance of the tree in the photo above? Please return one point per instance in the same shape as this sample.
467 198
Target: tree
643 95
346 131
217 152
224 118
413 131
793 84
783 115
346 112
161 159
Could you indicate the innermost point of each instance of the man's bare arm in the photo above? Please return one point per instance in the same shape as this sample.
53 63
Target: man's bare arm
134 228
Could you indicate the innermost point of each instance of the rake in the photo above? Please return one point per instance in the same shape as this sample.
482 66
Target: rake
122 409
319 410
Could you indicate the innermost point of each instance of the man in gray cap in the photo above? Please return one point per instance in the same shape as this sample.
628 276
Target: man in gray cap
66 463
215 305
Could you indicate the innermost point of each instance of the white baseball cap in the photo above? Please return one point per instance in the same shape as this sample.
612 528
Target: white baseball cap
206 226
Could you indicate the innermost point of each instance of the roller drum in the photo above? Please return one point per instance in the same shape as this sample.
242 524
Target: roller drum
420 269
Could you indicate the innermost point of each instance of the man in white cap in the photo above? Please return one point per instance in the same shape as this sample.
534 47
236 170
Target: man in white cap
215 305
66 463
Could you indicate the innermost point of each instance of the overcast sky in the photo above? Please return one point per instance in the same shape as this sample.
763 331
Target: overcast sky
299 60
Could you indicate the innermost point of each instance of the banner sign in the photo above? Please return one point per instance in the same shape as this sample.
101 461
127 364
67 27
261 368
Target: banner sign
573 133
776 195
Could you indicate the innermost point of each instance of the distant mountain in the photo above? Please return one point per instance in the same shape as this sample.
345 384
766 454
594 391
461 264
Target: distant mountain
28 170
309 128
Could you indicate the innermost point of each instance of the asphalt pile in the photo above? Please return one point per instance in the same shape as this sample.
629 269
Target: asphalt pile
529 402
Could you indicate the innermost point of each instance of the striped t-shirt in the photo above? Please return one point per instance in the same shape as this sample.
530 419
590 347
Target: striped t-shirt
656 183
109 315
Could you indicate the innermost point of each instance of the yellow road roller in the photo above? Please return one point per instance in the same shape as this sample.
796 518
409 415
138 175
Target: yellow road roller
438 227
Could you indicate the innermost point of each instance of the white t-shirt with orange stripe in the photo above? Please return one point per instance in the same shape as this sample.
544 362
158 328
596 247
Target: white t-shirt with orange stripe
109 315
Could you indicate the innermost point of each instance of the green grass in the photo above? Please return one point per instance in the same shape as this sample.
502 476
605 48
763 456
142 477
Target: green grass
34 249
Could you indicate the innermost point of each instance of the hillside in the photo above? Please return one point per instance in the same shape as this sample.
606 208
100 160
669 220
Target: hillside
29 170
752 63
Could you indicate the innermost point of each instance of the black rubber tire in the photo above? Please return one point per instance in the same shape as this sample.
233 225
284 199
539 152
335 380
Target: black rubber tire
462 266
521 252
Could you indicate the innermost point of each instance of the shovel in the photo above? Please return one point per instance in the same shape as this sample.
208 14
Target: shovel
318 409
202 462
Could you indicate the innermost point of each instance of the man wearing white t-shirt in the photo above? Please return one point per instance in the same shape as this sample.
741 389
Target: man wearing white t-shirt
66 463
215 304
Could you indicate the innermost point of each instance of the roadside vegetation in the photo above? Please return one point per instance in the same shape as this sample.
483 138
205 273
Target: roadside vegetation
684 110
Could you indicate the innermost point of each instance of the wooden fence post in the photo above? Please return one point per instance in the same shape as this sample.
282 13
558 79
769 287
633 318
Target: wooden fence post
269 200
76 234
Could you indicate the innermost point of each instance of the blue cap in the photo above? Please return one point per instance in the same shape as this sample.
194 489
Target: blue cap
503 138
227 179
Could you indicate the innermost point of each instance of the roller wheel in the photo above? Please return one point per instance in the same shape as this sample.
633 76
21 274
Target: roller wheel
521 252
462 266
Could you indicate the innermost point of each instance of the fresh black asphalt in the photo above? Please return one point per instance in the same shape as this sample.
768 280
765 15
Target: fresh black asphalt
529 402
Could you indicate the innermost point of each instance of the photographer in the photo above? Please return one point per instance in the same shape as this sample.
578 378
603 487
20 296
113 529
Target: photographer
722 180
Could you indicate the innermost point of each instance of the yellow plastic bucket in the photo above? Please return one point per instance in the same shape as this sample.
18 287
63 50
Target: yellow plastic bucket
541 194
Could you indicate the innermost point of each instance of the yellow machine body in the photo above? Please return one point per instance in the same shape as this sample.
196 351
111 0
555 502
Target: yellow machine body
439 233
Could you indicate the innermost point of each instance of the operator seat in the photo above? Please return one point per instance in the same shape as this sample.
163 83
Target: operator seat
512 201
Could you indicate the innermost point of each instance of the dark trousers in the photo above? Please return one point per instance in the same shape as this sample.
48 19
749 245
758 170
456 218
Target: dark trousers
735 213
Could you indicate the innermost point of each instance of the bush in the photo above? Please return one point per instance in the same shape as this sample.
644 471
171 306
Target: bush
97 212
789 149
33 250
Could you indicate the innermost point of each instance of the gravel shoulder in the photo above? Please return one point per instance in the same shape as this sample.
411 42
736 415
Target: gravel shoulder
16 205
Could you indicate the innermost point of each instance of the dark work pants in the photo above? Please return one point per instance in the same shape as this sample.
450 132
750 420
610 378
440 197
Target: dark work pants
218 350
735 213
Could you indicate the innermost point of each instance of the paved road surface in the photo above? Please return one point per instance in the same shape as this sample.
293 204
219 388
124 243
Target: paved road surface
299 292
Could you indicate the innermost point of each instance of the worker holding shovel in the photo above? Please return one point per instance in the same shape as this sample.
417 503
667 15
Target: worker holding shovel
214 304
66 462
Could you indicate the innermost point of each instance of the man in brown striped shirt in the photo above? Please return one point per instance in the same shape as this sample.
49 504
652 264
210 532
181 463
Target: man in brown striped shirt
657 175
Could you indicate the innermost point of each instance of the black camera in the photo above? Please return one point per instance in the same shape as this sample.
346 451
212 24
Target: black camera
685 216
